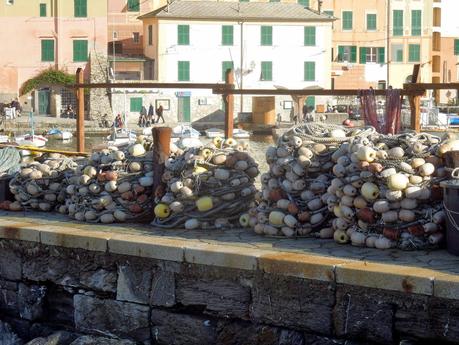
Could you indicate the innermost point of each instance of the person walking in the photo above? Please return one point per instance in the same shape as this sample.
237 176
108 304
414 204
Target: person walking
159 114
151 114
143 116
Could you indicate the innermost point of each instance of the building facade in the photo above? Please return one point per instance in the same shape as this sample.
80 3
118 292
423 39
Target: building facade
268 45
43 34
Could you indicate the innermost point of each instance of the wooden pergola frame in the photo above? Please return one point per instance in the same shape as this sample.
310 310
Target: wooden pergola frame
414 91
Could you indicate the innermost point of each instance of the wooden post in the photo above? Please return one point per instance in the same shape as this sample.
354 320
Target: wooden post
298 102
80 111
229 105
161 152
415 106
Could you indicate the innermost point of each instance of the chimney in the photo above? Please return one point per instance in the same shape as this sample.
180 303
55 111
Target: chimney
319 6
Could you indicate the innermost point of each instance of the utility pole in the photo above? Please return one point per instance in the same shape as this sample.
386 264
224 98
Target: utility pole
388 44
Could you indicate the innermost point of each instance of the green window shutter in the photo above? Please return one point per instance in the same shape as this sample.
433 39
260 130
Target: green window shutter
183 35
184 71
309 35
414 53
347 20
397 22
353 54
135 104
133 5
227 35
363 55
243 0
305 3
340 53
381 55
80 50
266 70
47 50
226 65
266 38
42 10
371 21
309 71
80 8
456 47
416 18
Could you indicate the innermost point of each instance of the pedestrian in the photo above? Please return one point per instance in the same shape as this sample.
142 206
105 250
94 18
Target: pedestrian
118 121
151 114
143 116
159 114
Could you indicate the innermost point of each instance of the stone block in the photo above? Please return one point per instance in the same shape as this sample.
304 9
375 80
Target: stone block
8 336
446 286
12 230
10 264
289 337
163 289
291 302
134 284
57 338
223 298
59 307
9 302
444 320
74 238
180 329
91 340
126 320
30 301
246 333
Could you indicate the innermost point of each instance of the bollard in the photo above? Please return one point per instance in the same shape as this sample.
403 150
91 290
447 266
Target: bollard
229 105
161 152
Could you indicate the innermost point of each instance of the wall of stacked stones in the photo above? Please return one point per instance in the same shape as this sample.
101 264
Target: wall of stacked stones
164 302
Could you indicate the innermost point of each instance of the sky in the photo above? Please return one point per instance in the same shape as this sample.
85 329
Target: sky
449 12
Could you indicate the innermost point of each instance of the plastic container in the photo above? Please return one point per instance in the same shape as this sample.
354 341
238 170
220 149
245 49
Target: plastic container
451 205
5 193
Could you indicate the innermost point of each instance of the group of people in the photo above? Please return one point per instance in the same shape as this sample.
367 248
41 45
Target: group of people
13 109
147 118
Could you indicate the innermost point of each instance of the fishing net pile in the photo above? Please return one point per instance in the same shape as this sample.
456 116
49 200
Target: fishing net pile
207 187
41 184
294 200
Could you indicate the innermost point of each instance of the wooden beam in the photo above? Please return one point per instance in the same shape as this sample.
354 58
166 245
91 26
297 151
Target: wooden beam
431 86
80 111
306 92
228 99
149 85
415 76
415 106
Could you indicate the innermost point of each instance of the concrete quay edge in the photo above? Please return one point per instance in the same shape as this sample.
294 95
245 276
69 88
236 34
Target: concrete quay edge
405 279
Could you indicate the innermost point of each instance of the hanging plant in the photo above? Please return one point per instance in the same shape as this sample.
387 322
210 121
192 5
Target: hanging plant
49 77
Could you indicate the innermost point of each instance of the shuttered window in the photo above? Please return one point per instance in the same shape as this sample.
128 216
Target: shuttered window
309 71
42 10
47 50
133 5
397 22
305 3
414 53
266 38
183 35
381 55
416 18
456 47
371 21
80 50
266 70
183 71
347 20
347 53
80 8
226 65
227 35
309 35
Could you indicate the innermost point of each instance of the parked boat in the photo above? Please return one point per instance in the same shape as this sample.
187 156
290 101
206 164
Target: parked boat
214 132
58 134
32 140
121 136
4 139
241 133
185 131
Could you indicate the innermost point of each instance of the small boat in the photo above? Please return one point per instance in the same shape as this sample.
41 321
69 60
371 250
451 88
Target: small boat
185 131
121 136
58 134
214 132
240 133
4 139
32 140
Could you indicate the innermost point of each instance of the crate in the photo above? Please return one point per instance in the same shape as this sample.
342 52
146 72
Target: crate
5 193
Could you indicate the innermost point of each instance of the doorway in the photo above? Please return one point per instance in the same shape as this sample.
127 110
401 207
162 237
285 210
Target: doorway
184 109
43 101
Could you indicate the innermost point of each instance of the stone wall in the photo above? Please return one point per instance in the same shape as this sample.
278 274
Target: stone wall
48 288
99 99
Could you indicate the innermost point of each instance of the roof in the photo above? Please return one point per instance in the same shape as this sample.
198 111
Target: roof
238 11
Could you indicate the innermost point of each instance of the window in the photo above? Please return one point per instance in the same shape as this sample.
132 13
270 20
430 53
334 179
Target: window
80 50
47 50
347 53
274 0
309 71
150 35
305 3
372 54
80 8
309 35
42 10
397 52
266 36
227 35
115 34
397 18
371 21
416 16
133 6
414 53
135 104
226 65
266 70
184 71
347 20
136 37
456 47
183 35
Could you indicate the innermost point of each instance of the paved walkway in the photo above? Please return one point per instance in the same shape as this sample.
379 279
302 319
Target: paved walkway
422 272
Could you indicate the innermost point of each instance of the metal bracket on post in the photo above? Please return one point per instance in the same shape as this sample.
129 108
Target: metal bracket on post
80 111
